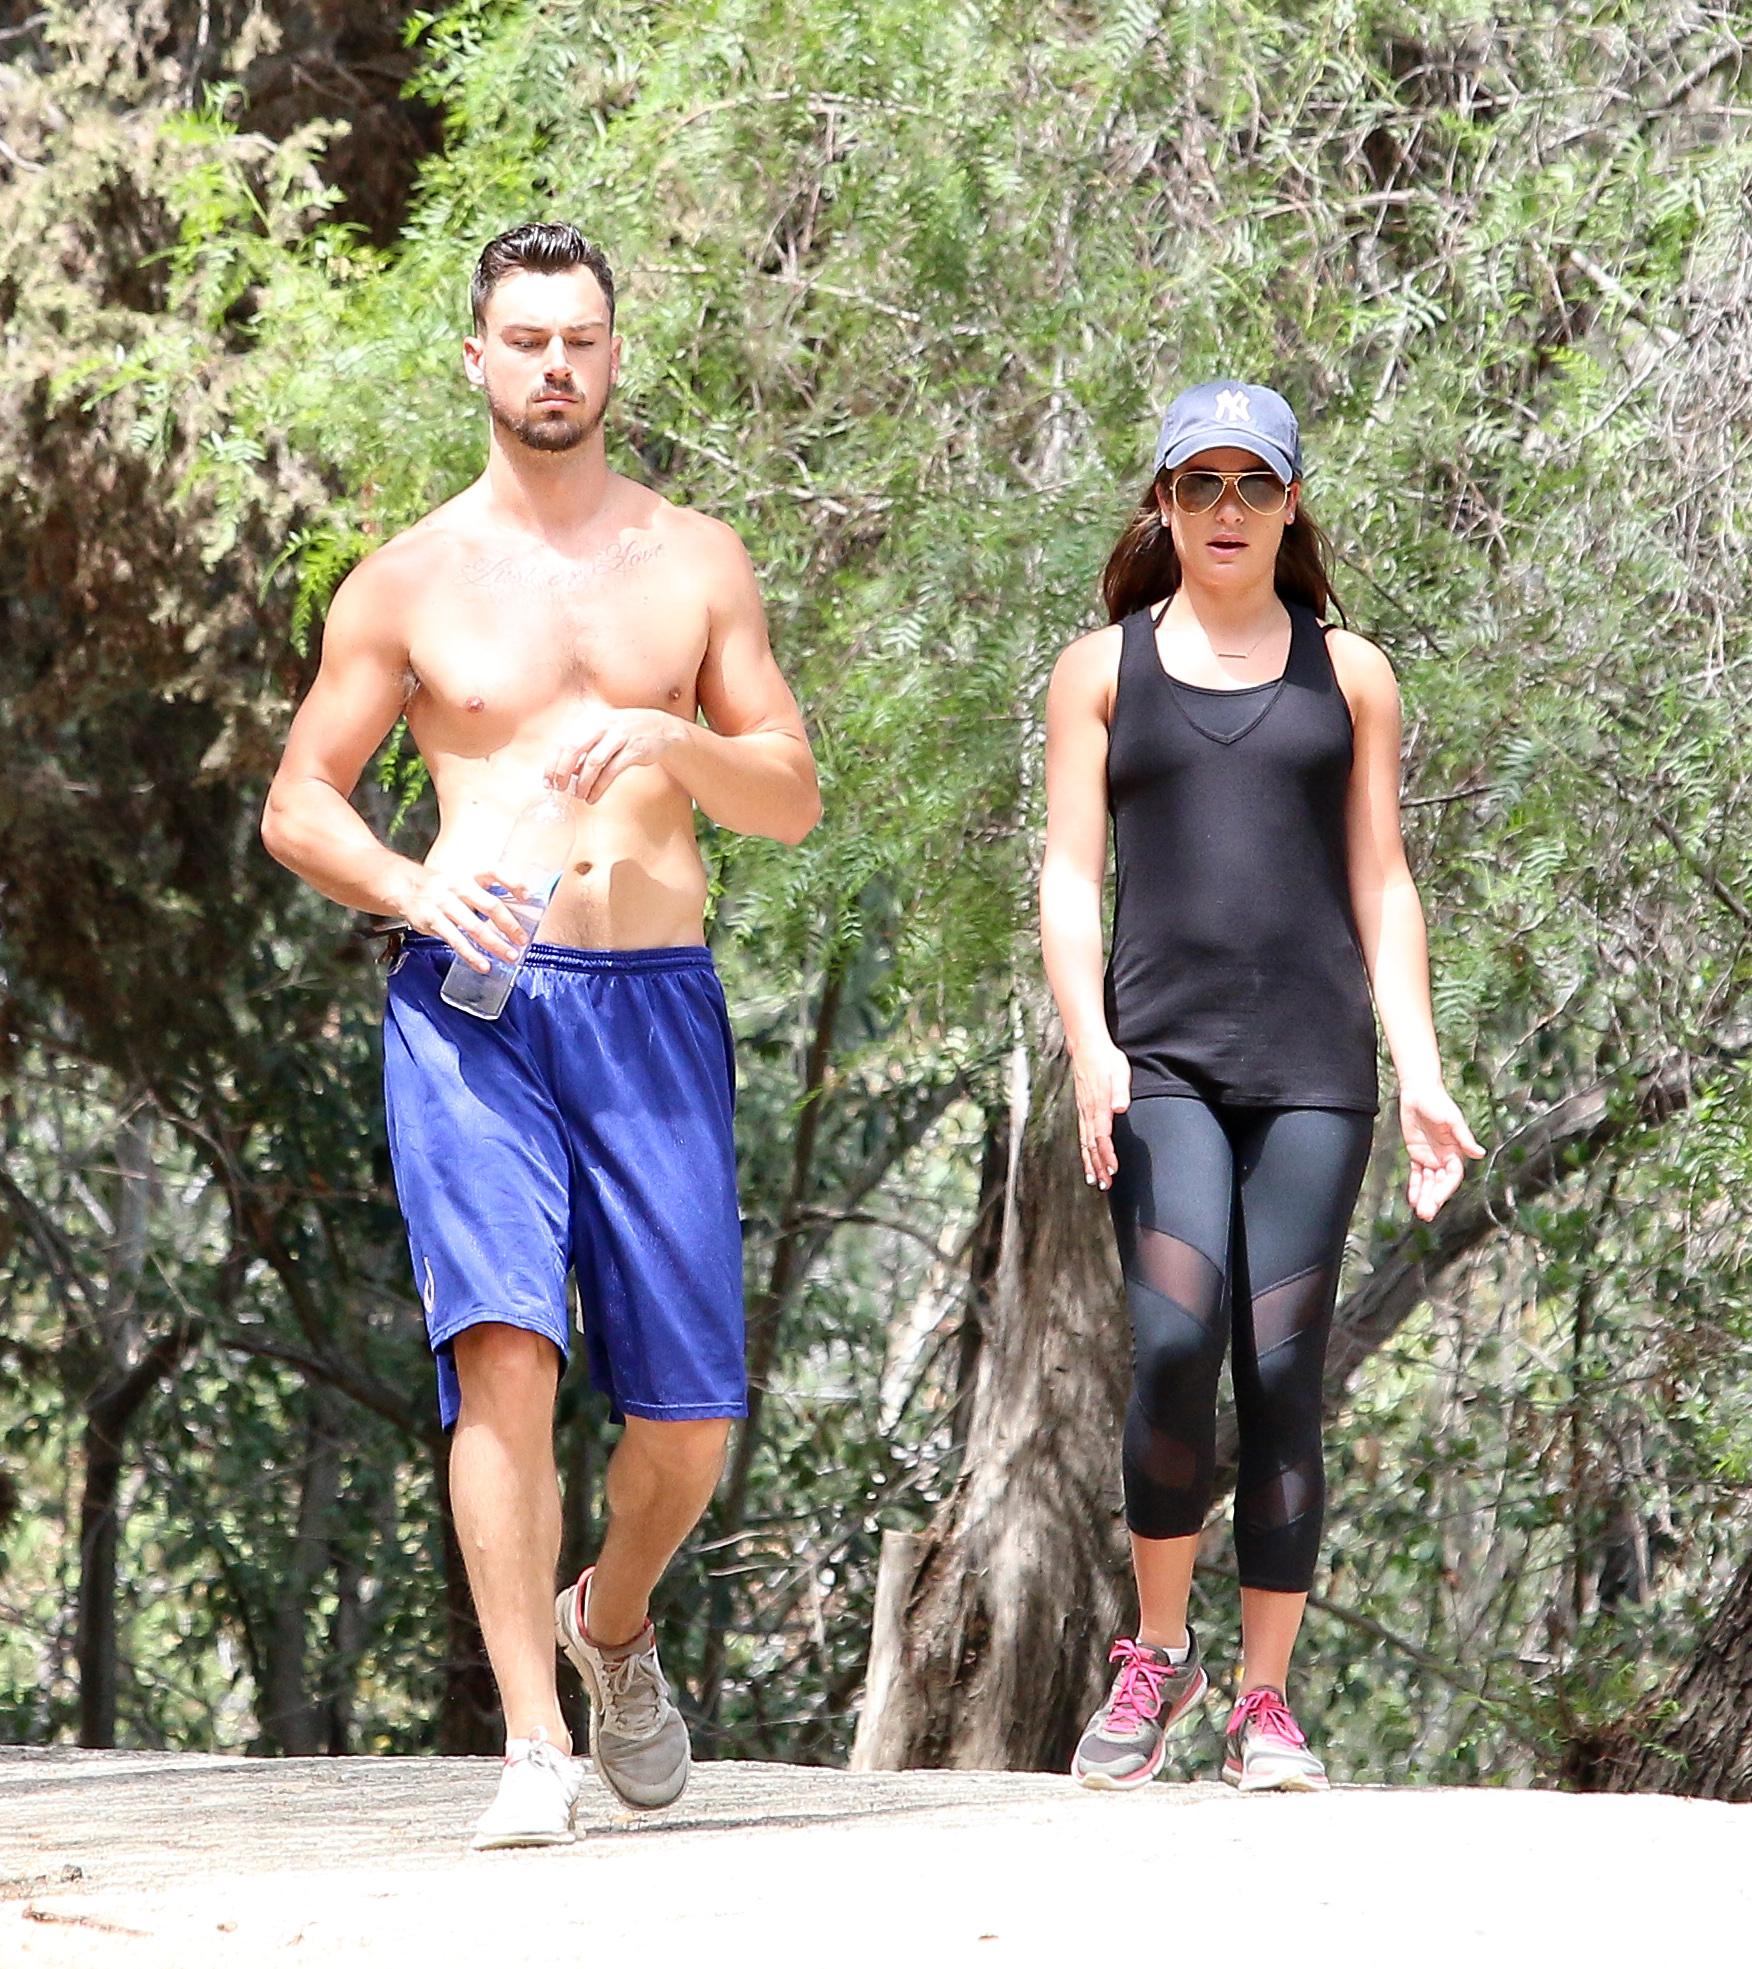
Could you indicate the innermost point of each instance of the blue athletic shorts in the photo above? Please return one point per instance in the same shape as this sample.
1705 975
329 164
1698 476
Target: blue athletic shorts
587 1129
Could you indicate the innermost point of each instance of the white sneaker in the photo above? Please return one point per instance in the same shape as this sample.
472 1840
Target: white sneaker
538 1793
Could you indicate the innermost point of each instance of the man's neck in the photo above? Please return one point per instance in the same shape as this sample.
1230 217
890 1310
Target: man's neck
554 494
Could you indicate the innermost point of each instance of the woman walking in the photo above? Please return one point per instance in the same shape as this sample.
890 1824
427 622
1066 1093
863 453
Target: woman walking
1248 756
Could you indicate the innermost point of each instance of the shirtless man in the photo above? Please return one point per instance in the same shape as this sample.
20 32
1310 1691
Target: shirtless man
558 624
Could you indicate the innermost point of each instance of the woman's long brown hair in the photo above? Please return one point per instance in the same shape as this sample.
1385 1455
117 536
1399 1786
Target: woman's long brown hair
1144 567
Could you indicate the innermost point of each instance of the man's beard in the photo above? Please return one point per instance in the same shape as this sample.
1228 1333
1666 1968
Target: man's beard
543 430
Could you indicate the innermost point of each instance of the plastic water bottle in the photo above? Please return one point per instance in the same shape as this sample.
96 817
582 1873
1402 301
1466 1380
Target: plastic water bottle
535 856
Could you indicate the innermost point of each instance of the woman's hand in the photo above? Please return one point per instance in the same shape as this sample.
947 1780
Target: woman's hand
1103 1082
1438 1141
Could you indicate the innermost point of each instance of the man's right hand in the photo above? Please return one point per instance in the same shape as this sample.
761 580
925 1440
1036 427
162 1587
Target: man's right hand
464 914
1103 1081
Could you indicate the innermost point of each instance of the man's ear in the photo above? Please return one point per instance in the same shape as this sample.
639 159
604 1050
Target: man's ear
474 349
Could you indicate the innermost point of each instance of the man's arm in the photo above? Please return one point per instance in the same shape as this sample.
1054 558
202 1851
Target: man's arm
753 769
309 822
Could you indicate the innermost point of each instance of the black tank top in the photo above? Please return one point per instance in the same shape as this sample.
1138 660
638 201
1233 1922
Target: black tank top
1236 970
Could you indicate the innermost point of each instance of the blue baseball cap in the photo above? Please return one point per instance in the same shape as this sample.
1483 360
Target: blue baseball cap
1246 415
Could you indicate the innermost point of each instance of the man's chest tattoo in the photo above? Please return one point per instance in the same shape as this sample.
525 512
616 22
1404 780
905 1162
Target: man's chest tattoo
513 572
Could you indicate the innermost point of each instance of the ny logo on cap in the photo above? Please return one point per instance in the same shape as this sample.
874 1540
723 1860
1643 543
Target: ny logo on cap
1232 408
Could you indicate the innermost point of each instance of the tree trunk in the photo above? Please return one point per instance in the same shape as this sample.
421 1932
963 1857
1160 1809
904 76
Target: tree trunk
346 1643
293 1720
124 1384
95 1637
108 1417
579 1532
580 1535
765 1316
991 1627
984 1257
469 1724
1695 1738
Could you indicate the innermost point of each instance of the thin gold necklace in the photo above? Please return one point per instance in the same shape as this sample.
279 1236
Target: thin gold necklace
1238 655
1241 656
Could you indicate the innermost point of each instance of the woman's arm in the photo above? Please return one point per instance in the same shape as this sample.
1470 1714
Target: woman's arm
1078 705
1390 925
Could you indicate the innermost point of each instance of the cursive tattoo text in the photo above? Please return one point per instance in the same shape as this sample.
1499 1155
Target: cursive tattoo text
548 576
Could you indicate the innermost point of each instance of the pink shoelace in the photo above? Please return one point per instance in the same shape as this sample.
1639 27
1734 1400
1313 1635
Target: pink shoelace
1269 1714
1138 1697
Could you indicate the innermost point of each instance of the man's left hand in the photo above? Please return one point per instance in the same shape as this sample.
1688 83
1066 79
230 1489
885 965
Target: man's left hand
607 741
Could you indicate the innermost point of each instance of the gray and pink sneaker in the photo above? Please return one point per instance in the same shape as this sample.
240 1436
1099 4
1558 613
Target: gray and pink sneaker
1266 1751
638 1741
1127 1737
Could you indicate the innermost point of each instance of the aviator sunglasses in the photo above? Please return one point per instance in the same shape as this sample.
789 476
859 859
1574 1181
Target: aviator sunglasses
1260 492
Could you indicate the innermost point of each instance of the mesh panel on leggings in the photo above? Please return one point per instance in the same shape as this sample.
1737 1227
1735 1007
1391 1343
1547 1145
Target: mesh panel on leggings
1278 1511
1282 1498
1290 1309
1159 1468
1179 1271
1170 1432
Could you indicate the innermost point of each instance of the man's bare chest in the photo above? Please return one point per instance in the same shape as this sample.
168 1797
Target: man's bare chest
508 637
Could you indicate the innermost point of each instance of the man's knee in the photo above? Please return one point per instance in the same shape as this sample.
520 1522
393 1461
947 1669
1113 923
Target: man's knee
499 1365
689 1454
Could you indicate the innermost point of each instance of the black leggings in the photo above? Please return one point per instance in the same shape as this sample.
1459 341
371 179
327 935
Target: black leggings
1232 1217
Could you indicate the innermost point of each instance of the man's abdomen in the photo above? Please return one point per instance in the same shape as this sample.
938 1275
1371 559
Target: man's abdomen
635 880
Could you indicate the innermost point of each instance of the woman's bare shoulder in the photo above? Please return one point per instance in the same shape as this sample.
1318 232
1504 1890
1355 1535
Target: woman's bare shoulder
1090 663
1362 668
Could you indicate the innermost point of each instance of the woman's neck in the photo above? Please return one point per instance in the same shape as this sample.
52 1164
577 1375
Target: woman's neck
1232 621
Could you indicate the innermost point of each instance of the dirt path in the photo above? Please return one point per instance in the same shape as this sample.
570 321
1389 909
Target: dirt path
140 1860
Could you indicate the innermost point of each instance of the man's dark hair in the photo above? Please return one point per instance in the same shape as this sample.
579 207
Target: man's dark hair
543 246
